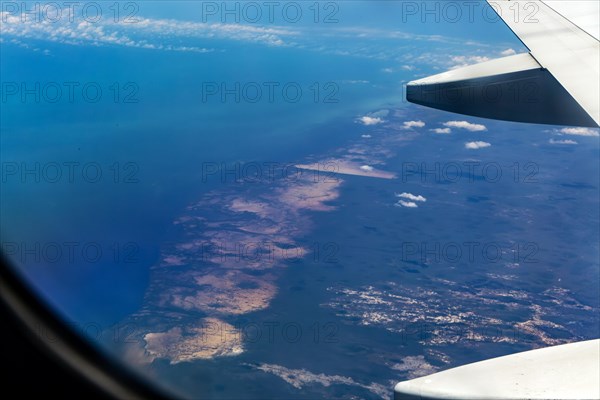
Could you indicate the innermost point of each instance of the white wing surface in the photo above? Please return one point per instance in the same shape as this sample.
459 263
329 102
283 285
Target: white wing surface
557 82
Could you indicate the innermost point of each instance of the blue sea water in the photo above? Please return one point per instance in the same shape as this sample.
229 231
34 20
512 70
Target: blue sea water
155 148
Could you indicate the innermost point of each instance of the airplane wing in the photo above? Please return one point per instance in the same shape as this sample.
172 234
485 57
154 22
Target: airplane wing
557 82
568 371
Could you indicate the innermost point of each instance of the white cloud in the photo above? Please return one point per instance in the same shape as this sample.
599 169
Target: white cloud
463 61
388 70
365 136
442 131
508 52
580 131
146 33
407 204
410 196
477 145
413 124
366 120
552 141
298 378
367 168
408 67
465 125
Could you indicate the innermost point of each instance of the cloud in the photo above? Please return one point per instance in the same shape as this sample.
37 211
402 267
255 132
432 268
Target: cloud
508 52
190 36
298 378
410 196
146 33
410 200
182 35
388 70
407 204
415 366
380 113
365 136
442 131
580 131
465 125
413 124
477 145
463 61
552 141
366 120
367 168
408 67
379 34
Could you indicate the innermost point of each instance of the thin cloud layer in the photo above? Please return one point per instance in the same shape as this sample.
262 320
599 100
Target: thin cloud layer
442 131
147 33
566 141
580 132
380 113
182 35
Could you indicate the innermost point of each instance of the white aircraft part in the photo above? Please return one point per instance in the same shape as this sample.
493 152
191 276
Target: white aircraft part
514 88
570 53
569 371
557 83
583 13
